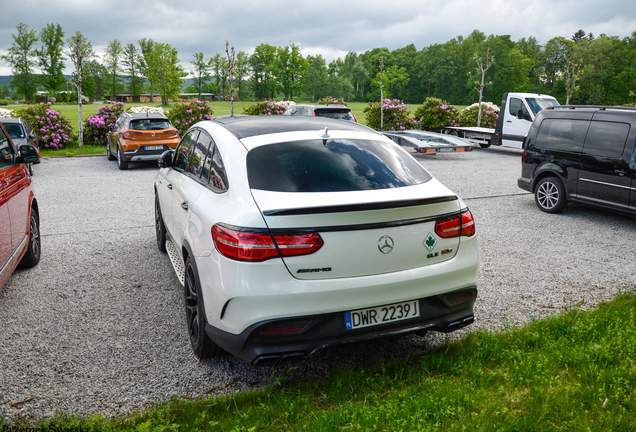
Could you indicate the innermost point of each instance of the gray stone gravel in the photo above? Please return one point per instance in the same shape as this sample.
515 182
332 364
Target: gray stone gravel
98 325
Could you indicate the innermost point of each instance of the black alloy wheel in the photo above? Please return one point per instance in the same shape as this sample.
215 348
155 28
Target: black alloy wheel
121 162
201 343
550 195
160 228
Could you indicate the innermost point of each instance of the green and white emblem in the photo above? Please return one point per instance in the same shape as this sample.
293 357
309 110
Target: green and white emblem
430 242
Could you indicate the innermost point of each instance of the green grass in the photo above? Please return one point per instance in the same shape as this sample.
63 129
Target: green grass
574 372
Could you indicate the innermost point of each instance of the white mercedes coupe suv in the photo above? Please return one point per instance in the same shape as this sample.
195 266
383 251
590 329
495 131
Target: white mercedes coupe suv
292 234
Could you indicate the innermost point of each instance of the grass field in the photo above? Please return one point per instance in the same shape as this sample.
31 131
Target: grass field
573 372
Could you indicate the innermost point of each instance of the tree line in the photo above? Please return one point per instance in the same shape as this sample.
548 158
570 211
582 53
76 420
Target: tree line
581 69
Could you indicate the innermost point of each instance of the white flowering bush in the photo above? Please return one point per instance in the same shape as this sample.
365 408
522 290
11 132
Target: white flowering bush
6 112
146 109
489 115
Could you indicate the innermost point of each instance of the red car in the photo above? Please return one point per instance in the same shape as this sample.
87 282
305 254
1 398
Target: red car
19 217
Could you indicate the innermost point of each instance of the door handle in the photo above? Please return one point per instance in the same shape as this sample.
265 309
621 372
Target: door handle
184 205
169 185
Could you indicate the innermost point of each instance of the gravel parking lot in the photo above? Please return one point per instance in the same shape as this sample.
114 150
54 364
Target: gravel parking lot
98 326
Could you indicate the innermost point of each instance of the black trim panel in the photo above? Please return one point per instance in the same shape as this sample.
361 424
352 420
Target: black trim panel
358 207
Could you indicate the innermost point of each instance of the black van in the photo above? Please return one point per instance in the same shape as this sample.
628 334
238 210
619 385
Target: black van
583 154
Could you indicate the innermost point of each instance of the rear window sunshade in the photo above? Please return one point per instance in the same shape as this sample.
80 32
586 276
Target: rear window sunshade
149 124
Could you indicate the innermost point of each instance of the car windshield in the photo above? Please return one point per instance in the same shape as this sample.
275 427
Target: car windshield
340 114
16 131
149 124
537 104
334 165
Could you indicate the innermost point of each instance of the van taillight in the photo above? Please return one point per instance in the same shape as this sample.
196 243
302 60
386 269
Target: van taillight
259 245
456 226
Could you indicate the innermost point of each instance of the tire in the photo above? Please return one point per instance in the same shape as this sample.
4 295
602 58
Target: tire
121 162
201 343
550 195
160 228
484 145
109 155
32 255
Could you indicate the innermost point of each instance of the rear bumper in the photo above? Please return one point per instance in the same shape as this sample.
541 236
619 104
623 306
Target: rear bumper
437 313
142 155
525 184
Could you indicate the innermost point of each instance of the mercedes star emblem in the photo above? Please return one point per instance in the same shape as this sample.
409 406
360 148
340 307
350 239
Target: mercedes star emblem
385 244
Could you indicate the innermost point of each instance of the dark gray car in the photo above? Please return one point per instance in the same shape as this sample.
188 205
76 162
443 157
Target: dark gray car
339 112
21 133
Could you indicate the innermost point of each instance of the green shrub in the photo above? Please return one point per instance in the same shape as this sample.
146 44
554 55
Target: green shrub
330 100
268 108
183 115
396 116
97 126
436 113
52 131
489 115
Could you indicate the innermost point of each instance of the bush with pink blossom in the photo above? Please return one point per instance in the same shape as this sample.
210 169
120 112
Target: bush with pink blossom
436 113
395 113
52 131
97 126
489 115
330 100
183 115
268 108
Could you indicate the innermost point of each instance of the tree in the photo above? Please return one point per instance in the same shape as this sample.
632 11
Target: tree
201 73
50 58
231 64
21 57
216 65
79 51
96 74
290 69
131 60
316 77
262 66
112 56
145 47
482 68
164 72
242 65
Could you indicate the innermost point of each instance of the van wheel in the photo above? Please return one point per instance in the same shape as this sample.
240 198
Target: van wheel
32 255
201 343
550 195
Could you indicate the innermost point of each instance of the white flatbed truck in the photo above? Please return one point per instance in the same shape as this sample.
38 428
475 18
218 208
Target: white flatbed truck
516 114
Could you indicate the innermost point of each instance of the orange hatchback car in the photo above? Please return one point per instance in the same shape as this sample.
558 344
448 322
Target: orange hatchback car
19 217
139 138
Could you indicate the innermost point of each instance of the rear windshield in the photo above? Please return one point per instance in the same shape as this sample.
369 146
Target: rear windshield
332 166
149 124
340 114
15 130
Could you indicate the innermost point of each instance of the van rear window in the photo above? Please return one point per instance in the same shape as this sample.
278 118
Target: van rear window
332 166
562 134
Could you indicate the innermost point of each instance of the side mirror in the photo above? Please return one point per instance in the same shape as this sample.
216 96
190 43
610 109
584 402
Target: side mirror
29 154
165 161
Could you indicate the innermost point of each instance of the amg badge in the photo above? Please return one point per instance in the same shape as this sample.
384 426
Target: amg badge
314 270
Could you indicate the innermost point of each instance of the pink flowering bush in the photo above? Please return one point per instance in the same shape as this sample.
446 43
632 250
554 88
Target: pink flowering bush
436 113
52 131
330 100
97 126
396 115
183 115
489 115
268 108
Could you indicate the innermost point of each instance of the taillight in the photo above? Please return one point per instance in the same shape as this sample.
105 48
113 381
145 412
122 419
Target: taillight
174 132
260 245
127 134
456 226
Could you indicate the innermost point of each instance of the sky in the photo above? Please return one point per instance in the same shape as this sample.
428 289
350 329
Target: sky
330 28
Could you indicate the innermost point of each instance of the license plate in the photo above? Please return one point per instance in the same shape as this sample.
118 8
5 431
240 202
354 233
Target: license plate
381 315
158 147
446 149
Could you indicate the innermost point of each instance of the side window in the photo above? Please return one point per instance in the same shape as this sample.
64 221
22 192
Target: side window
182 155
199 154
6 155
218 176
515 105
606 139
562 134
